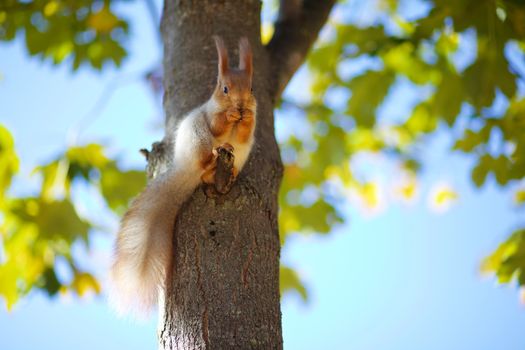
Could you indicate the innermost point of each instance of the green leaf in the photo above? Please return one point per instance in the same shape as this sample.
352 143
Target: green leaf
56 220
368 40
508 261
84 283
84 159
119 187
59 220
403 59
501 168
363 105
53 177
489 72
448 99
519 196
57 30
8 161
319 218
480 171
50 282
472 139
434 20
91 155
290 281
421 121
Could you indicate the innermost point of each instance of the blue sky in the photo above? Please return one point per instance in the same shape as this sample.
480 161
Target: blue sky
404 278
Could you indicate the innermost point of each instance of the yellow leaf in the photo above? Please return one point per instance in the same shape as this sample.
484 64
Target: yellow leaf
442 197
445 196
102 21
519 196
8 161
8 288
267 30
332 171
51 8
370 195
405 26
84 282
32 207
63 51
493 262
408 189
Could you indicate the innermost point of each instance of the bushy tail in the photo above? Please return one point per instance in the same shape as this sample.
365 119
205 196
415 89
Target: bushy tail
144 242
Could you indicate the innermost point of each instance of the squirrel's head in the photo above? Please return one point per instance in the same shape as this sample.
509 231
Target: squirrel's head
233 92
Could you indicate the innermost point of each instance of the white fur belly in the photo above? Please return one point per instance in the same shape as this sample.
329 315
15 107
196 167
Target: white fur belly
241 153
186 144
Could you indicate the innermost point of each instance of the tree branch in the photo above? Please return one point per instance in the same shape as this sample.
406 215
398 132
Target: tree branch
289 9
295 31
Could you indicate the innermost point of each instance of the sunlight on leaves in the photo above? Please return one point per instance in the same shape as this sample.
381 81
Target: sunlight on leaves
507 262
407 190
38 230
103 21
62 31
441 198
51 8
352 74
369 193
8 161
84 283
519 197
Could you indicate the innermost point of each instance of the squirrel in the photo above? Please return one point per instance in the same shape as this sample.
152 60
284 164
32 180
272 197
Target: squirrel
144 244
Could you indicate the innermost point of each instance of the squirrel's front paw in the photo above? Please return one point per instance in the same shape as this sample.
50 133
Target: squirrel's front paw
222 161
224 147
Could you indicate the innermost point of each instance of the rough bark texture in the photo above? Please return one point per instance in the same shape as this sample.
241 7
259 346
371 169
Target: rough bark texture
223 287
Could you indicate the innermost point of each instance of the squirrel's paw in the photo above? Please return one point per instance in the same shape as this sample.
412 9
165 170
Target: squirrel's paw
225 146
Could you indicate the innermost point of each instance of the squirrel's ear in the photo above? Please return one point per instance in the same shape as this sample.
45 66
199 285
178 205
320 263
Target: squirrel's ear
222 53
245 56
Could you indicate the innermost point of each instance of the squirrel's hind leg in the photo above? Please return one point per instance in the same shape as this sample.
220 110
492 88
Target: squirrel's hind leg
209 164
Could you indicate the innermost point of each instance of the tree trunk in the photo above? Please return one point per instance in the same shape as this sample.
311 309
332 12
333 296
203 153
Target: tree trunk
223 290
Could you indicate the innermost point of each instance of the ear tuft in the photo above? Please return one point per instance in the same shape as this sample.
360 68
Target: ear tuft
222 54
245 56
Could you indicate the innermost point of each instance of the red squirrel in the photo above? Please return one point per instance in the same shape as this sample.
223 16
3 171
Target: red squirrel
144 243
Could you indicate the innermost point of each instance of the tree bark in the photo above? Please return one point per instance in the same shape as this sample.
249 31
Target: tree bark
223 290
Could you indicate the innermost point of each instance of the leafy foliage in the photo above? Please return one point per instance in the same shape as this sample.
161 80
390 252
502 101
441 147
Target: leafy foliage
463 58
508 261
290 281
80 31
38 231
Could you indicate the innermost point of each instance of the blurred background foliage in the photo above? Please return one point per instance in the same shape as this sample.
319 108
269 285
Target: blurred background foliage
464 59
73 31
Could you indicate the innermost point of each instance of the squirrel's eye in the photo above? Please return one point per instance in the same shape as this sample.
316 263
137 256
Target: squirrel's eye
225 90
